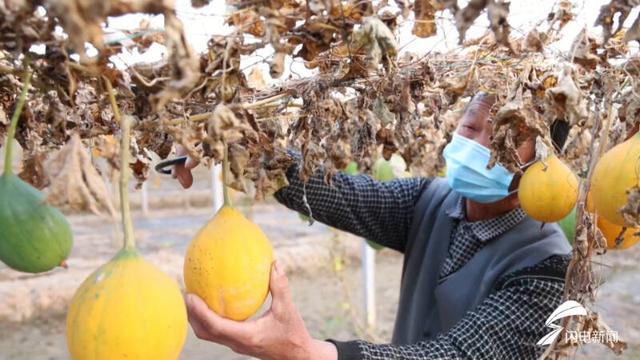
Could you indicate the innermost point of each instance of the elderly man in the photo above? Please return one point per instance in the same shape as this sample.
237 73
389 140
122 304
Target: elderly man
479 276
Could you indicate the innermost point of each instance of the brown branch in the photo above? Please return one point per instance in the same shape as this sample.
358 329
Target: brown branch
578 259
206 115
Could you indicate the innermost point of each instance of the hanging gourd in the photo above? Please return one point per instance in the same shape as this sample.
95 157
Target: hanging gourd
616 173
228 262
34 237
617 239
127 308
548 190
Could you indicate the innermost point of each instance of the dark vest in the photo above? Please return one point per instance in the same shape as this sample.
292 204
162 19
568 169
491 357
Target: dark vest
429 305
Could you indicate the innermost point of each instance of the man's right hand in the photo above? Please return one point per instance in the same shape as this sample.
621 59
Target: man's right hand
182 172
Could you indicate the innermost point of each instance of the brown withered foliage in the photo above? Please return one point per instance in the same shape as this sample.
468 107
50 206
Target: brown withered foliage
364 102
75 183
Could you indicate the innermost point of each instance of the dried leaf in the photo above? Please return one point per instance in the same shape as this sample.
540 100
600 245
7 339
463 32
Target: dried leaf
593 324
376 41
185 65
238 160
381 110
385 137
466 16
82 19
107 147
608 13
199 3
534 41
631 211
248 20
565 100
425 24
456 86
516 122
225 126
256 79
584 50
276 68
563 15
75 183
498 11
33 170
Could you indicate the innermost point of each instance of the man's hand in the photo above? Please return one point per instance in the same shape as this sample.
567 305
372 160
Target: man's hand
182 172
279 334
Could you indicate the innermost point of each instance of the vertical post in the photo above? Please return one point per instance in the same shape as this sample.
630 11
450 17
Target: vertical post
145 199
216 187
369 274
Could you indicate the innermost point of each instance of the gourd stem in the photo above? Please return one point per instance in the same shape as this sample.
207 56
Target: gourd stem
225 173
125 208
8 156
127 223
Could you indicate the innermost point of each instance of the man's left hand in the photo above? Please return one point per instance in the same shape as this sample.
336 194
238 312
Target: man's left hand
279 334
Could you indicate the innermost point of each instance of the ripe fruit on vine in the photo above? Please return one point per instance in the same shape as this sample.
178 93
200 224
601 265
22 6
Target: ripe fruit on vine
616 173
228 262
127 309
548 191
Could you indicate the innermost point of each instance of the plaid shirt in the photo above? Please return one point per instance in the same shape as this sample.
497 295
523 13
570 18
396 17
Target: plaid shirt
469 237
506 325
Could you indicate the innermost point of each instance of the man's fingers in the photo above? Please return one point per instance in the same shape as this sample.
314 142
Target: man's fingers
190 163
184 177
280 293
198 328
220 329
200 312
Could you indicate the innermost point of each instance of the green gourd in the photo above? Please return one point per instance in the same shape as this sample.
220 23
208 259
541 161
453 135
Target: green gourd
34 237
568 225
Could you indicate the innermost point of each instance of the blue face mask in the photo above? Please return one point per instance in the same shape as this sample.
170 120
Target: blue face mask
468 175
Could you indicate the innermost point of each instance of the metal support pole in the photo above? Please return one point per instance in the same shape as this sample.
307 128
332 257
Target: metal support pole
369 274
145 199
216 187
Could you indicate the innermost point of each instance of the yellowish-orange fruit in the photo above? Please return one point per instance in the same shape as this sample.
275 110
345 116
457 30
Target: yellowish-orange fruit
589 203
228 265
127 309
548 192
612 231
615 173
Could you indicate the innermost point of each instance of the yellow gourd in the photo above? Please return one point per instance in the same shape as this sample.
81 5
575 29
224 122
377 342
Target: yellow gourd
127 308
548 191
615 173
228 263
612 231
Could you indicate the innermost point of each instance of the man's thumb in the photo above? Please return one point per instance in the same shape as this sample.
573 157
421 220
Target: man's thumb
279 284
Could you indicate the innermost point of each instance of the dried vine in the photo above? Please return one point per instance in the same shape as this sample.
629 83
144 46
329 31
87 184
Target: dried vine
365 100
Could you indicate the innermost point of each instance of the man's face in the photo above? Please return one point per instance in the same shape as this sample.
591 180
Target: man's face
476 125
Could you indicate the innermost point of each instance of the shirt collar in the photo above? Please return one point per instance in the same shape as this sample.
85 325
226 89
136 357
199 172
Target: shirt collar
457 212
488 229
